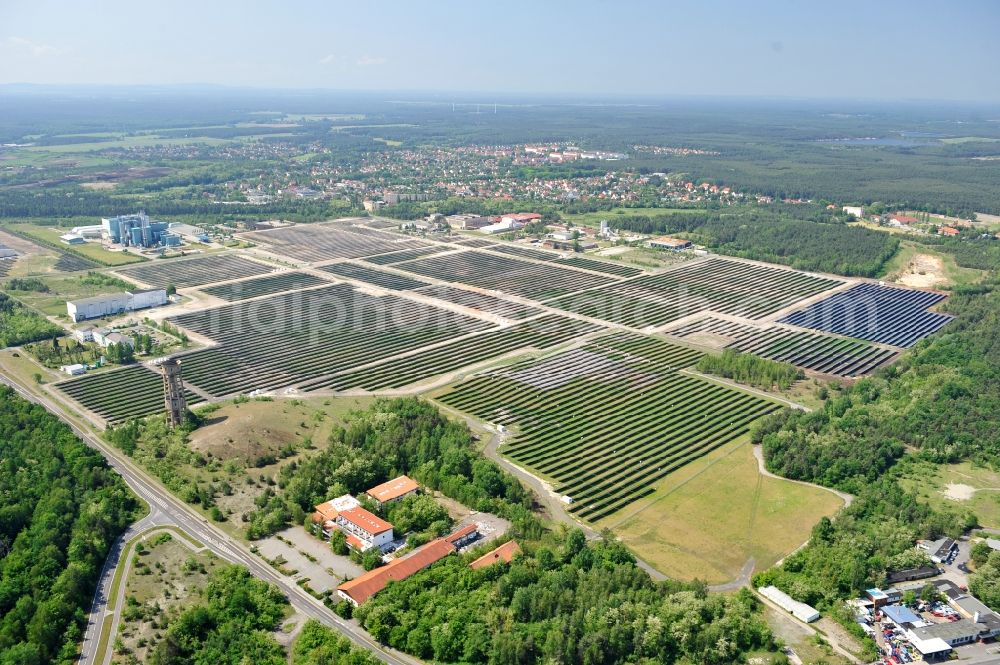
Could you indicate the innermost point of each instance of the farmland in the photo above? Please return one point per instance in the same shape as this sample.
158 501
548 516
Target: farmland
289 338
820 353
876 313
483 302
194 272
117 395
719 285
263 286
488 271
608 421
338 240
382 278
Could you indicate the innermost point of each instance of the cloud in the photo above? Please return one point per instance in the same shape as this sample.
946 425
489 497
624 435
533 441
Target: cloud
330 59
33 48
370 61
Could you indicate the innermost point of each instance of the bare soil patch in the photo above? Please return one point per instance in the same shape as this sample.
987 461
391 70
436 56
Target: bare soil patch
958 491
923 271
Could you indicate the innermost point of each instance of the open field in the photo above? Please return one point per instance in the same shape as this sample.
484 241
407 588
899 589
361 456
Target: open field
131 392
719 285
263 286
608 421
166 578
682 530
489 271
594 218
920 266
876 313
184 272
825 354
49 235
964 486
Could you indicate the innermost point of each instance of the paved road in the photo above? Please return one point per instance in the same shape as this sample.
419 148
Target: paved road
162 502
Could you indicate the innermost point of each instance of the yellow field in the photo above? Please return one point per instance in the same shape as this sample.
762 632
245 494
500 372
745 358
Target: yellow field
709 518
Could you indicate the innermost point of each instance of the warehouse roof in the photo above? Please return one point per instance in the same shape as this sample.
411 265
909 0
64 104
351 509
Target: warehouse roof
393 489
364 587
505 553
900 614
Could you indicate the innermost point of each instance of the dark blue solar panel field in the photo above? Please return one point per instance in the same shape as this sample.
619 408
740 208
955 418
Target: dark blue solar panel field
885 314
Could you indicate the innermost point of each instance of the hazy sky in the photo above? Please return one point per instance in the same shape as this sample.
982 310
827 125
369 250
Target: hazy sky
831 48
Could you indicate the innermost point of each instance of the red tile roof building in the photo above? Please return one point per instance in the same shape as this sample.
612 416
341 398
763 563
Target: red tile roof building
948 231
364 587
505 553
393 490
364 526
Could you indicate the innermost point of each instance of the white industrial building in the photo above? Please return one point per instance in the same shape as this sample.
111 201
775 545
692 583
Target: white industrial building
112 304
800 611
504 226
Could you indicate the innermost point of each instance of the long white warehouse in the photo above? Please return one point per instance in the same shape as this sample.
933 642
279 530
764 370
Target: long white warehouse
112 304
801 611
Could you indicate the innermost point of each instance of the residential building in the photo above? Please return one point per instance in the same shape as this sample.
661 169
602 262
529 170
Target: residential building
393 490
948 231
665 242
857 211
105 337
363 529
504 553
899 219
325 517
85 334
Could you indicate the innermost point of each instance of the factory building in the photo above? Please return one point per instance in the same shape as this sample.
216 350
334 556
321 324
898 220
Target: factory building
113 304
136 231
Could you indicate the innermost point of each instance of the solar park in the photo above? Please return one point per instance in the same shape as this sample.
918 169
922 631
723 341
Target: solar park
587 361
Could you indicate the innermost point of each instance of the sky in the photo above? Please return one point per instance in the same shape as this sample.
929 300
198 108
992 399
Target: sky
845 49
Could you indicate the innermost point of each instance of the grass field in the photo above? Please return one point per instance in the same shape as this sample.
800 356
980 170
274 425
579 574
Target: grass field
764 518
91 250
61 289
594 218
962 486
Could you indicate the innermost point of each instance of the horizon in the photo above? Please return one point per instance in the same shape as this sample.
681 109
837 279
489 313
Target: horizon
774 50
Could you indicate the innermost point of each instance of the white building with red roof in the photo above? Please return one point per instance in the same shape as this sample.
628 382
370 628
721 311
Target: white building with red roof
393 490
364 529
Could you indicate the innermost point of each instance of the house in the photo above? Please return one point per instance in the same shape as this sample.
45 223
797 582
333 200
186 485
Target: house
360 589
857 211
899 219
84 334
363 529
325 517
505 553
948 231
105 337
674 244
393 490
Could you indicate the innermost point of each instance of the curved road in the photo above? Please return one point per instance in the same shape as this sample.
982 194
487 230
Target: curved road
163 503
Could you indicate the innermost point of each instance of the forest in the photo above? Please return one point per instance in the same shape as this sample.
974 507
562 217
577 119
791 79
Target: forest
564 601
62 509
392 437
776 237
750 369
20 325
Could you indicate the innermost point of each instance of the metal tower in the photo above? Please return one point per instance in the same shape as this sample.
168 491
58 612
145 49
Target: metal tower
173 391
